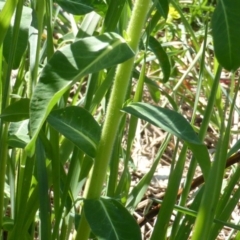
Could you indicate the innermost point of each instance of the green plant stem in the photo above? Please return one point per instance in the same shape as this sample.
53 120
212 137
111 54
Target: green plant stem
202 133
161 225
26 166
113 115
131 135
213 183
3 163
114 163
67 185
55 168
40 17
133 120
50 46
5 18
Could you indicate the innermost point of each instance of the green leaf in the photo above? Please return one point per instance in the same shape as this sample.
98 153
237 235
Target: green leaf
226 33
174 123
167 119
17 111
22 38
76 7
18 136
109 220
201 154
162 7
81 7
66 67
161 56
77 125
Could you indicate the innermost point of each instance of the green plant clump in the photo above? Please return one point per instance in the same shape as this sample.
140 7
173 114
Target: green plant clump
78 78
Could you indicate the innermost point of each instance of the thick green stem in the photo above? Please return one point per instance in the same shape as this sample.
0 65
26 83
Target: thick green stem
113 115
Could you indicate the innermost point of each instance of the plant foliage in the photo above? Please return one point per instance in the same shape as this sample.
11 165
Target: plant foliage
83 84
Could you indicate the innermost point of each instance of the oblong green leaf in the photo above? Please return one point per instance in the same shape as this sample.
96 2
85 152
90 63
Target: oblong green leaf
76 7
226 33
66 67
162 57
174 123
81 7
18 135
77 125
109 220
169 120
17 111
